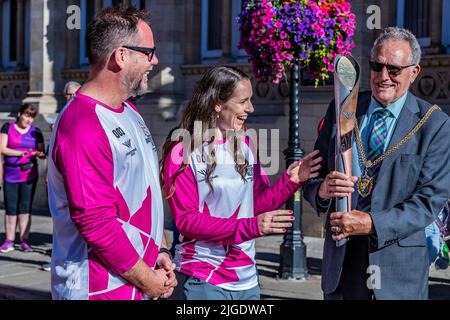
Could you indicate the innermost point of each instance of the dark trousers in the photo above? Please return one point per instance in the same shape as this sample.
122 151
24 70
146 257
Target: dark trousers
19 197
353 281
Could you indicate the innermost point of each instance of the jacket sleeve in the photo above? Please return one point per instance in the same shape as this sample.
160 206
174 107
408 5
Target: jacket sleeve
428 198
268 198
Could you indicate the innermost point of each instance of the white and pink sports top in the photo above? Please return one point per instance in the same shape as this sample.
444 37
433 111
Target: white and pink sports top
105 200
218 228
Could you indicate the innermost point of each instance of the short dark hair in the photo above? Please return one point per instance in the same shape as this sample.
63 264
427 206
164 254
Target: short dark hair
29 109
110 29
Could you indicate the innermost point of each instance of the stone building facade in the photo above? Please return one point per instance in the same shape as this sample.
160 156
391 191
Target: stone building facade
39 54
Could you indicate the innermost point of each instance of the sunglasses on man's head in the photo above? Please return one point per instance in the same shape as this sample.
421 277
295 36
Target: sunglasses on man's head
392 69
148 51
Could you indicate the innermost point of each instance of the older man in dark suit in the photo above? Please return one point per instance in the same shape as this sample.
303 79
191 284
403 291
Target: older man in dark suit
401 163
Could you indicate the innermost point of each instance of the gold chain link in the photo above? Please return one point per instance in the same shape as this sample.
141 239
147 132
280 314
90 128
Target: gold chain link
370 164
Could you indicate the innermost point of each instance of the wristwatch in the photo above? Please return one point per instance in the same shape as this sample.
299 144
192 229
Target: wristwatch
165 250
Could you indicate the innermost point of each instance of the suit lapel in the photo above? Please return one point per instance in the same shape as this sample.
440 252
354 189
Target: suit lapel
407 120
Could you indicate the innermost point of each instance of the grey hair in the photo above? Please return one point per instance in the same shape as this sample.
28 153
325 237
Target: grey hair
71 84
111 29
397 33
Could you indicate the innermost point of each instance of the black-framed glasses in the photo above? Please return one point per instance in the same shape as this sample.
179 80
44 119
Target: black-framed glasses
150 52
392 69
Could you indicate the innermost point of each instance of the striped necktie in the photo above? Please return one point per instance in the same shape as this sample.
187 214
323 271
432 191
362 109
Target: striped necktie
377 140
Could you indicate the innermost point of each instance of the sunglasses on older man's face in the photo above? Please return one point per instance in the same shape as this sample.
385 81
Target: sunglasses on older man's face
391 69
148 51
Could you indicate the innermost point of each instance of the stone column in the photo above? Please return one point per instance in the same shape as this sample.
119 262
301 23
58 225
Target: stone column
46 61
48 28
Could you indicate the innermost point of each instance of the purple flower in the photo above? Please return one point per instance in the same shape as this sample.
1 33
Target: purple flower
272 32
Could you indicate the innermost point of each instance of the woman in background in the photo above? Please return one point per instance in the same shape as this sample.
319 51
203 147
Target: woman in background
21 144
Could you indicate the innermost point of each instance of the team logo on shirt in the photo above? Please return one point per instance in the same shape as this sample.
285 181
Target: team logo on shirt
119 133
127 143
148 136
204 174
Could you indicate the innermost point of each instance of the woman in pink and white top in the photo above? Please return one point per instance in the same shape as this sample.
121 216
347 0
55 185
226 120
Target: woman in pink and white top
219 197
21 143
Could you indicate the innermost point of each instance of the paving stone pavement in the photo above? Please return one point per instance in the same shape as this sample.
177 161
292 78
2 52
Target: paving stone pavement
21 276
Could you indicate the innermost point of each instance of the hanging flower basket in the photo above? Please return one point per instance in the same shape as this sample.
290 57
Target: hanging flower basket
276 33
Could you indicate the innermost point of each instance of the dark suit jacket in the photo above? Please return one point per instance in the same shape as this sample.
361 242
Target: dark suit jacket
413 185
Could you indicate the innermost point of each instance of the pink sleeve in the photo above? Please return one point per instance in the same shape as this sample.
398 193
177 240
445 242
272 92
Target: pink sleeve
269 198
83 156
184 204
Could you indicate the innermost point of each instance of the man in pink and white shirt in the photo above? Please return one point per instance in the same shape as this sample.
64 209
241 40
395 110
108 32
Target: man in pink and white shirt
103 177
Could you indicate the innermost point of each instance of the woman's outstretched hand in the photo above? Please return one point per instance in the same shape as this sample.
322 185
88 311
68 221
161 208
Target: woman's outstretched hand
305 169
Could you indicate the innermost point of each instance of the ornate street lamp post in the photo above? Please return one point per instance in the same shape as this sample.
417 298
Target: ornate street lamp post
293 249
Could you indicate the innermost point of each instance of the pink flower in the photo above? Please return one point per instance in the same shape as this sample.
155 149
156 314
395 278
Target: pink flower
267 40
321 33
340 43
